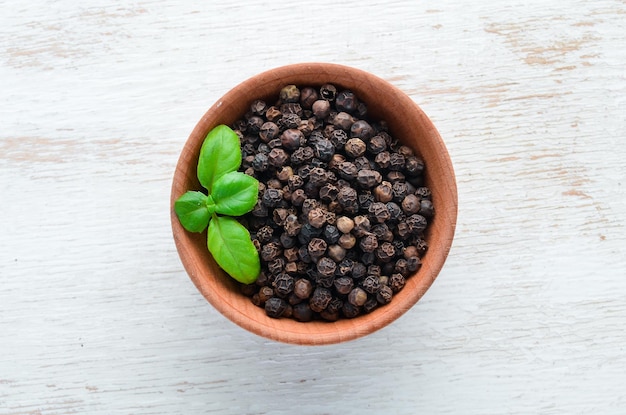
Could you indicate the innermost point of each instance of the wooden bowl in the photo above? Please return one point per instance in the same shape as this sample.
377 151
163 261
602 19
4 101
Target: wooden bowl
406 121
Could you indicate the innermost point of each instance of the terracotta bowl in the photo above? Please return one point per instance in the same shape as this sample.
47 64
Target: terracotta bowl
406 121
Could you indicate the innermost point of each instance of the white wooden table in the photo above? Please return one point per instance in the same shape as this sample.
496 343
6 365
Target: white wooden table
97 315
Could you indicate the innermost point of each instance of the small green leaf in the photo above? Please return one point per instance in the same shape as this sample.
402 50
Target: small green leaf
233 250
192 211
235 193
220 154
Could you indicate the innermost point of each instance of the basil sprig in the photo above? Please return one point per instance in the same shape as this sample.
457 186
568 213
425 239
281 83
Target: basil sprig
229 193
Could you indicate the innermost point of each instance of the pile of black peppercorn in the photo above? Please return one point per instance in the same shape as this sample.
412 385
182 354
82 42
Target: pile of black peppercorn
342 210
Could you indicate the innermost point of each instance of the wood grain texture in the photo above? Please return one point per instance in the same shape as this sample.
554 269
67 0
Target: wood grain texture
98 316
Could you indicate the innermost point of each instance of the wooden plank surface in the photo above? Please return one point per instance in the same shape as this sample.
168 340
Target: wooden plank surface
98 316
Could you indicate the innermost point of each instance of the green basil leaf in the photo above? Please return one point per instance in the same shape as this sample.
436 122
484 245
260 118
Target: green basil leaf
192 211
220 154
235 193
233 250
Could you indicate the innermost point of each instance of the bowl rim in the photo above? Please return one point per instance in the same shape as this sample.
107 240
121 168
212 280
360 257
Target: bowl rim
316 332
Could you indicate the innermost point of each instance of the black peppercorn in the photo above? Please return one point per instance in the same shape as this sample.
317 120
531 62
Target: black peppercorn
368 178
317 217
346 101
277 157
371 284
384 295
357 297
321 109
288 121
295 182
290 93
370 304
302 312
368 243
361 129
317 248
302 156
328 193
331 234
338 138
413 263
303 288
298 197
291 139
413 166
349 310
272 197
328 92
283 284
270 251
343 120
276 266
400 191
347 241
395 176
378 212
411 204
324 149
426 208
320 299
355 147
326 267
417 224
376 144
336 253
396 282
383 159
396 161
287 241
265 293
254 124
395 212
362 226
385 252
308 96
344 268
382 232
347 197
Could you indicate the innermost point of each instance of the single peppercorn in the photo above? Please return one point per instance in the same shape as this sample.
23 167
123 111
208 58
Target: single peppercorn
291 139
277 157
417 224
362 129
289 121
384 295
328 92
320 299
265 293
347 170
385 252
355 147
377 144
290 93
303 288
347 197
357 297
346 101
326 267
317 248
362 226
270 251
410 204
396 282
371 284
368 178
328 193
308 96
349 310
368 243
317 217
345 224
254 124
336 253
347 241
324 149
283 284
344 285
338 138
426 208
331 234
302 155
302 312
343 121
